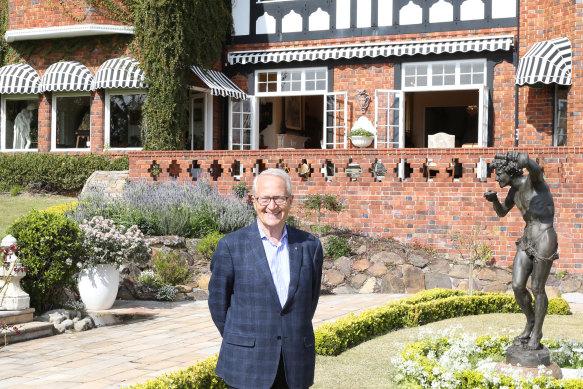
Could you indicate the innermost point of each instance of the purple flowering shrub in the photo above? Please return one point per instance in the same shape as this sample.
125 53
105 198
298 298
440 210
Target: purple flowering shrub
170 208
104 243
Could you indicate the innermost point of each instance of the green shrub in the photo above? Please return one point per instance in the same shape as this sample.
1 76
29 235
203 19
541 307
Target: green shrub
333 338
337 247
150 279
170 268
54 172
49 247
240 189
208 245
15 190
198 376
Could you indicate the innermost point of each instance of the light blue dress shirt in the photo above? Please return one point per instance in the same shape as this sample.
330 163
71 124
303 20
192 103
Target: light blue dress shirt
278 260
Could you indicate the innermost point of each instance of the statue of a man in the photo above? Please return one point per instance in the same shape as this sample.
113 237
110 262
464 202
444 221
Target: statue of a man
537 248
22 128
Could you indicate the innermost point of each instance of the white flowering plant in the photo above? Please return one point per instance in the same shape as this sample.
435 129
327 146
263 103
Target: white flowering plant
105 243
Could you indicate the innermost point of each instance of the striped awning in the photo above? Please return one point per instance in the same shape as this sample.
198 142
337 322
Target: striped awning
19 78
119 73
67 76
546 62
219 84
373 50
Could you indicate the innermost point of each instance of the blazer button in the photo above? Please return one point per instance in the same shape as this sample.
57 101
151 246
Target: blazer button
279 338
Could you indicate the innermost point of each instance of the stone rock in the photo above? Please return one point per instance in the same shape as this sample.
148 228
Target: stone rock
58 316
343 290
327 265
496 287
486 274
439 266
198 295
84 324
361 265
503 275
570 285
180 296
378 270
459 271
368 286
463 285
418 261
392 284
414 279
333 277
437 280
64 326
388 258
358 280
552 292
146 293
344 266
203 281
361 250
191 244
184 288
553 281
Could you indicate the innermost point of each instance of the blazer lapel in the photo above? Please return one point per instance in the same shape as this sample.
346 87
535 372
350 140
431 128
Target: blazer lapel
295 263
257 251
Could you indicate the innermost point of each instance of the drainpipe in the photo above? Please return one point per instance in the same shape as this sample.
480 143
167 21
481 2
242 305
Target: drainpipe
516 89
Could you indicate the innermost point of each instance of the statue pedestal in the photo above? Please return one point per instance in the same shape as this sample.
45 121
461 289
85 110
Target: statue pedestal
526 362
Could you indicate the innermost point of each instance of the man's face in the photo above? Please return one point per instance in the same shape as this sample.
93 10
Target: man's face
271 216
503 179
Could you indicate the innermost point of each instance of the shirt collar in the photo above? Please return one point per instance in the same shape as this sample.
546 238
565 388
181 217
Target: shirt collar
263 236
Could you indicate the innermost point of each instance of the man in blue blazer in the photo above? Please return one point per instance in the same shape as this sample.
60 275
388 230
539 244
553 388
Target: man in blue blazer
263 293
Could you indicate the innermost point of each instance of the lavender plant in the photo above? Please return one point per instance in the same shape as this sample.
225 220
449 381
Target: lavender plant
169 209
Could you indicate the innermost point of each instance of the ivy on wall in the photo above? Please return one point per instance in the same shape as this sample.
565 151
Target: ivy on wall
3 26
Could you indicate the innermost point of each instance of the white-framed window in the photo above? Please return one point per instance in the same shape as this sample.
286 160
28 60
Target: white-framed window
71 121
448 74
303 81
560 133
241 124
19 123
123 118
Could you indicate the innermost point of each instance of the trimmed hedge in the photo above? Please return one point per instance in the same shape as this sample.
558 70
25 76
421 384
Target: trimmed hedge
424 307
333 338
54 172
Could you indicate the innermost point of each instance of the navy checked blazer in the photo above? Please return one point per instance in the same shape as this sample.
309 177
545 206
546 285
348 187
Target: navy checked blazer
246 310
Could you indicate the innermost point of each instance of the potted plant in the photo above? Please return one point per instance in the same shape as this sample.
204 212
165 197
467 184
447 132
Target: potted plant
361 137
106 248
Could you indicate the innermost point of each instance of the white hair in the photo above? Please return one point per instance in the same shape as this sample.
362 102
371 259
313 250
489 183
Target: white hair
277 173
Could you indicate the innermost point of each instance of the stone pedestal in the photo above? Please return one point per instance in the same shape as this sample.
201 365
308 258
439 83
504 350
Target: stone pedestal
519 355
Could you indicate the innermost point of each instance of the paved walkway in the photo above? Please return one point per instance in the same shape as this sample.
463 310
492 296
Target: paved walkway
120 355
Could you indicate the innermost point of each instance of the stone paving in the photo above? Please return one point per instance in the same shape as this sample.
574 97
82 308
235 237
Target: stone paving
176 336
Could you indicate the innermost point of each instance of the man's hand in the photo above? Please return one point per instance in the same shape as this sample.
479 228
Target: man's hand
491 196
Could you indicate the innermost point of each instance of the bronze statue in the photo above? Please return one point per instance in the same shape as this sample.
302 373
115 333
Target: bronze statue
537 248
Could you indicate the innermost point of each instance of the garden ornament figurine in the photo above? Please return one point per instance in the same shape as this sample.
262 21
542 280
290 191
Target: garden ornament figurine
22 121
537 248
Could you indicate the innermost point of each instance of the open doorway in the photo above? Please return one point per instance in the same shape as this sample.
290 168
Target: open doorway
291 122
454 112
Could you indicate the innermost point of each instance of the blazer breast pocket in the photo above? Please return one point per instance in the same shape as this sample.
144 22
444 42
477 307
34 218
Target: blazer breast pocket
239 340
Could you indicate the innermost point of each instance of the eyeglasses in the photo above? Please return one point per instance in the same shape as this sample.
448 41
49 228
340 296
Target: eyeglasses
278 200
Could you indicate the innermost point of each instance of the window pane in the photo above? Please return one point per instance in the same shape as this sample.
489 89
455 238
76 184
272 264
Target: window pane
21 124
478 78
73 122
126 120
465 79
449 80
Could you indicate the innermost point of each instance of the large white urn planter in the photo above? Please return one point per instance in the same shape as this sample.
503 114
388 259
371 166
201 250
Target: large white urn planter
361 141
98 286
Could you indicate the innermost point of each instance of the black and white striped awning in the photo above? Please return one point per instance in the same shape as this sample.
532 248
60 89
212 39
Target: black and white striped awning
19 78
219 84
67 76
546 62
119 73
373 50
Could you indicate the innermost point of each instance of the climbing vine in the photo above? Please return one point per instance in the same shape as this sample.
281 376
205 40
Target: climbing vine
121 10
3 27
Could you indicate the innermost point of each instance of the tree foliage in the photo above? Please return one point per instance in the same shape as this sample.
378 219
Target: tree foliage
171 36
3 27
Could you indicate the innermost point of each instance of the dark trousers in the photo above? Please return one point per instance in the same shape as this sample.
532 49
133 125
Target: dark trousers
280 382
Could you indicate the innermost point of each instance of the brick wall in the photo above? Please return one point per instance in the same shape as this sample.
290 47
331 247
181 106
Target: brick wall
419 209
50 13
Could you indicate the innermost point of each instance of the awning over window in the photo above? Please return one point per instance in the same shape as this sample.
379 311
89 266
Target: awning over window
373 50
219 84
19 78
119 73
67 76
546 62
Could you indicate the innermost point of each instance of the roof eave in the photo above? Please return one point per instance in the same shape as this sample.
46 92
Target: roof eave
66 32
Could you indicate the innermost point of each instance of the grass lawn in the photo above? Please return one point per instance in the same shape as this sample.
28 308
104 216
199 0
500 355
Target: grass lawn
11 208
368 365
